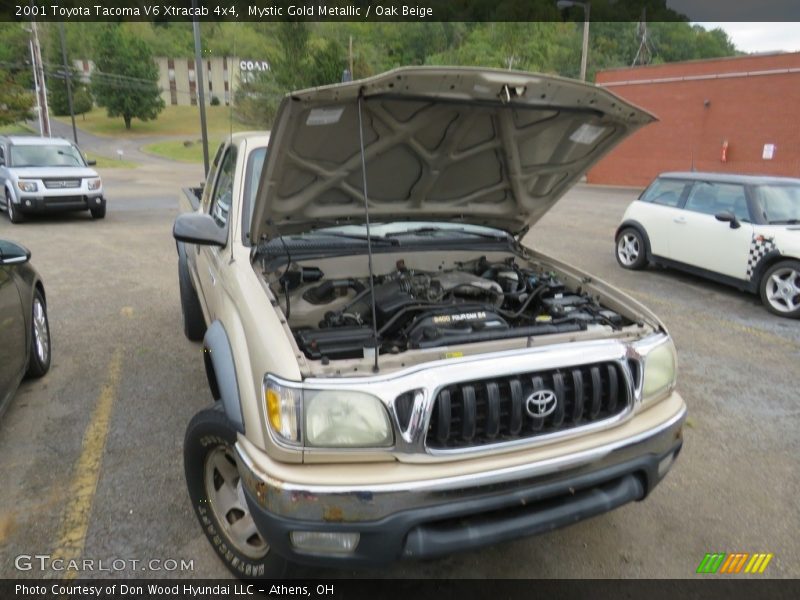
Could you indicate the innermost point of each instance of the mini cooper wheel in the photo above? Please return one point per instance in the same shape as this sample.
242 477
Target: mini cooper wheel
218 498
780 289
631 252
13 213
39 361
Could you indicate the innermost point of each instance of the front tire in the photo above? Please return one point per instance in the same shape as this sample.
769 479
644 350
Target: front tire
39 361
780 289
215 489
13 213
631 251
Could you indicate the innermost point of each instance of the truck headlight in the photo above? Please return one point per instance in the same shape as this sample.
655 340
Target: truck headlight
95 184
346 419
660 366
27 186
284 410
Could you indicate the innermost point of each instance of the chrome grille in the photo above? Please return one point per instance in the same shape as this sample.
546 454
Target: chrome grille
61 184
504 409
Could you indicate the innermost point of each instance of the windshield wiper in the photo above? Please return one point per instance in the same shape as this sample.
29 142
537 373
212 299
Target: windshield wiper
784 222
357 236
439 231
72 156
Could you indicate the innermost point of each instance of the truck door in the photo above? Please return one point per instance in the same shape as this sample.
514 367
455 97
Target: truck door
210 258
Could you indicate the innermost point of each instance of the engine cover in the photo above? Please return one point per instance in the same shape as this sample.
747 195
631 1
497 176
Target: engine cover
439 325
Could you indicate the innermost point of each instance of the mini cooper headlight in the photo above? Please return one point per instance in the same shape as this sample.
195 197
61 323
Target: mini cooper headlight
95 184
27 186
345 419
660 367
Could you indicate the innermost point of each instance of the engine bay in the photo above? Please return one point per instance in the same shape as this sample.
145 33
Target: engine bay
473 301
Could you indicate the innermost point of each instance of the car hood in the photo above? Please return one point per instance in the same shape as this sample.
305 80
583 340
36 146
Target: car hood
50 172
473 145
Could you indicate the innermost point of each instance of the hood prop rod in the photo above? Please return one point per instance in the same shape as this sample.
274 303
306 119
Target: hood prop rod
369 236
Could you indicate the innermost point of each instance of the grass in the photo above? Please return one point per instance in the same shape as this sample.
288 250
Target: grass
173 120
103 162
16 129
190 151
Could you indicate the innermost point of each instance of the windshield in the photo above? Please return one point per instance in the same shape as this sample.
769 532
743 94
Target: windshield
255 163
50 155
780 203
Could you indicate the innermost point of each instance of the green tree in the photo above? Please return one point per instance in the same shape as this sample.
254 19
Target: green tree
16 82
57 97
125 80
296 64
328 62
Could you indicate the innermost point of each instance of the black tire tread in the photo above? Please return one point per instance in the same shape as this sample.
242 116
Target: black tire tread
642 259
208 429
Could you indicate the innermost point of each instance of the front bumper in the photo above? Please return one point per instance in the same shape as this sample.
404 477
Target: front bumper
39 203
422 519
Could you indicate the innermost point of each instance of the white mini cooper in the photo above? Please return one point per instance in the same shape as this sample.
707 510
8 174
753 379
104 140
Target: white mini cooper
742 230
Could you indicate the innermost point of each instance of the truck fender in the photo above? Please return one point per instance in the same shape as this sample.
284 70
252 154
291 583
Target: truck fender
183 260
221 372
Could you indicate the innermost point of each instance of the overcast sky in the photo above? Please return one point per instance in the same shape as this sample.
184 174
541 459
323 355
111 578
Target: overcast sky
761 37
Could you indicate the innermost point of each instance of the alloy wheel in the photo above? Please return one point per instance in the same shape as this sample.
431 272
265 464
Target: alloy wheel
628 249
226 498
41 331
783 290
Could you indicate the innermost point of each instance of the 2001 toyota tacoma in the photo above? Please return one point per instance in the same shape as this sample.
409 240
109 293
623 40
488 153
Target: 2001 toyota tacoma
395 374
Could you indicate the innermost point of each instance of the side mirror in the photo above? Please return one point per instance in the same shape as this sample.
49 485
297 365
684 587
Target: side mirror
727 216
13 254
91 163
196 228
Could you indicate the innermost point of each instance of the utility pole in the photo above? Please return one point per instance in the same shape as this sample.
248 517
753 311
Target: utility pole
68 77
586 5
201 96
41 87
36 85
350 55
585 51
643 55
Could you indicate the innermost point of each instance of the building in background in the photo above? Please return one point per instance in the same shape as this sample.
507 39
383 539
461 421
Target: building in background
730 115
178 81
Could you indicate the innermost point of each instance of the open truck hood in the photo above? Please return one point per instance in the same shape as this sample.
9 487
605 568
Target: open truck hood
473 145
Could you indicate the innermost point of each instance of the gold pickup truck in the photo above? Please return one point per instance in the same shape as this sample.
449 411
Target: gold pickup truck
395 375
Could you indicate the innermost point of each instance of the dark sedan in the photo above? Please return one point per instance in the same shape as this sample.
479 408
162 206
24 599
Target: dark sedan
24 330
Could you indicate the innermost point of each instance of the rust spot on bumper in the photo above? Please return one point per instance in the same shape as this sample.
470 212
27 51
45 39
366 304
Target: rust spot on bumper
333 513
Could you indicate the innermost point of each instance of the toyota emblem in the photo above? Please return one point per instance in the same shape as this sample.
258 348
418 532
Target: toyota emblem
541 403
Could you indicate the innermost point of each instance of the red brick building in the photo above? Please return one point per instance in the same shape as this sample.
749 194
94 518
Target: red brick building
748 105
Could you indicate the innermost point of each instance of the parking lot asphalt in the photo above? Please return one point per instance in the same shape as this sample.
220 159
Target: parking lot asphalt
91 461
